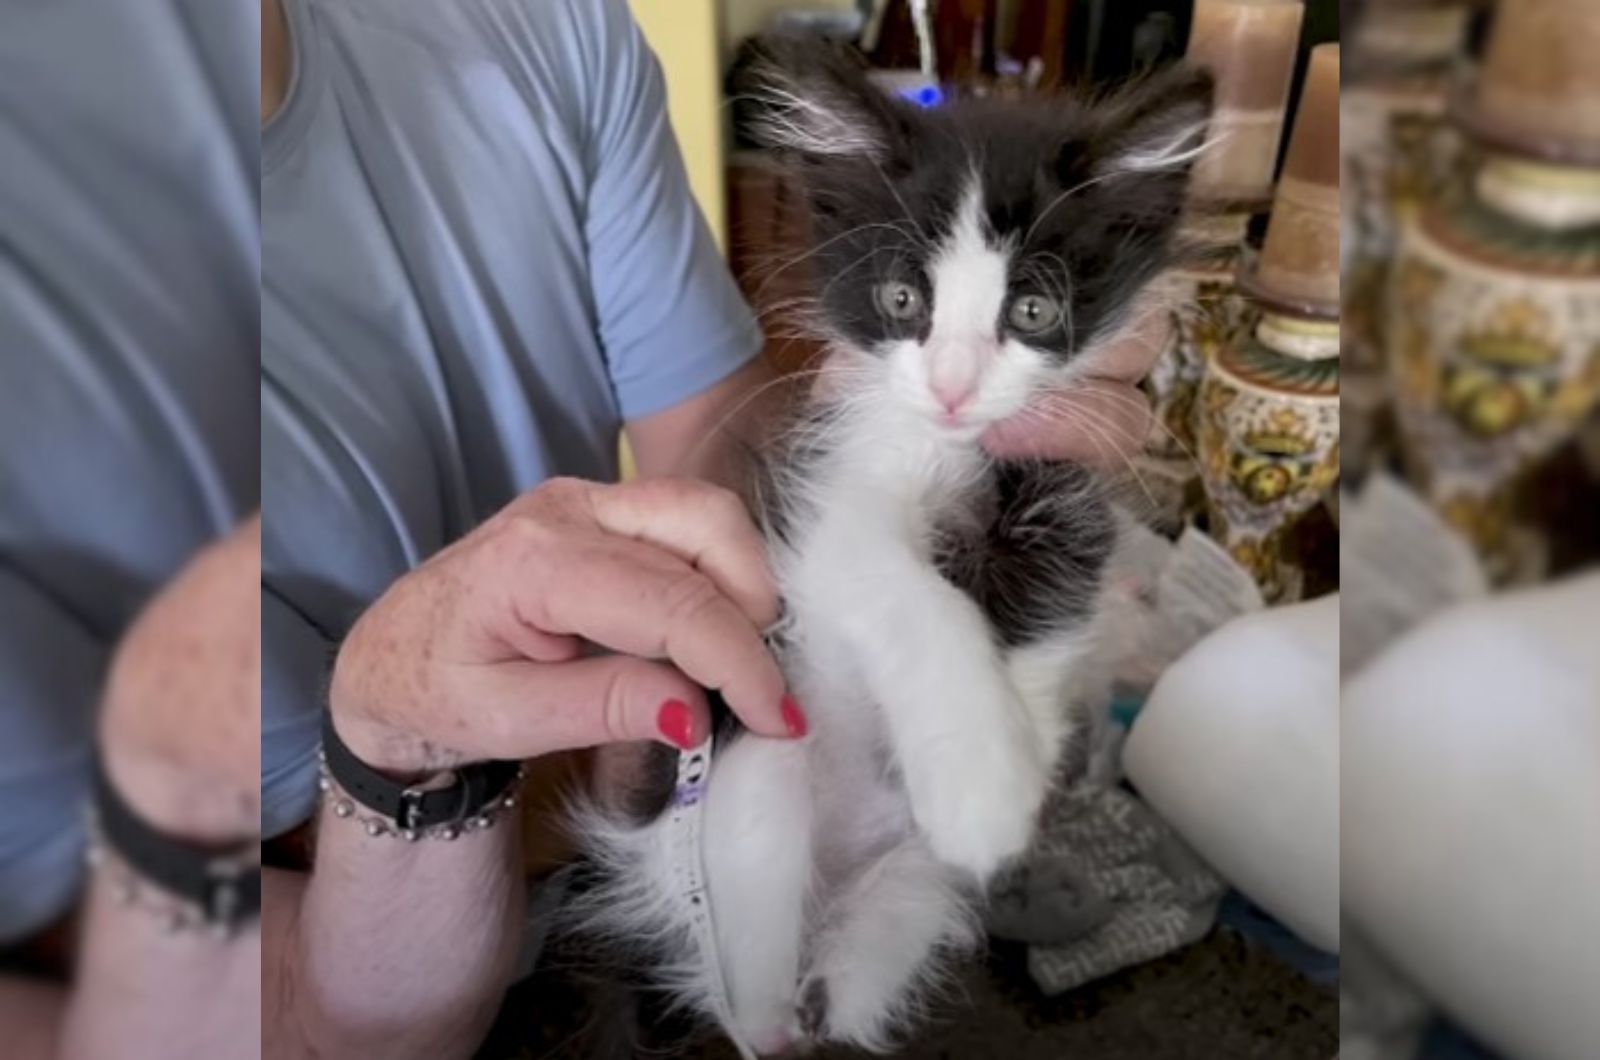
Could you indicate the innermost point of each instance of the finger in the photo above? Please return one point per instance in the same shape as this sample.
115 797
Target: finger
1094 423
637 599
1127 358
706 525
519 640
536 708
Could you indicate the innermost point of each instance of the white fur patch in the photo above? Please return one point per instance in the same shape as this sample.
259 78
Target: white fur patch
965 357
1178 147
792 119
969 276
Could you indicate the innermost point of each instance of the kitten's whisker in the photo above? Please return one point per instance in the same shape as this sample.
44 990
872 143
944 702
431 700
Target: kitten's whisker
1104 429
1098 430
767 280
788 378
1053 401
1059 199
922 232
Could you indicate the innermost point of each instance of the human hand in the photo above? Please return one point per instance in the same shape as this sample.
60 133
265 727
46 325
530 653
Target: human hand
1102 420
181 726
481 651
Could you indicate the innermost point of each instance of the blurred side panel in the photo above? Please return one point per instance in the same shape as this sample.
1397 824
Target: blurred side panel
129 334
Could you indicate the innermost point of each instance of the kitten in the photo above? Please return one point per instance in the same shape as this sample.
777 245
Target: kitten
939 603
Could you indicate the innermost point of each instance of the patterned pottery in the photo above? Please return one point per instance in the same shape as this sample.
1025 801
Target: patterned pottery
1205 317
1395 145
1207 311
1494 346
1269 442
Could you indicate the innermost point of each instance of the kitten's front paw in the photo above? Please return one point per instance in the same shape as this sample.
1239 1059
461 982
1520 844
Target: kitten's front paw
978 804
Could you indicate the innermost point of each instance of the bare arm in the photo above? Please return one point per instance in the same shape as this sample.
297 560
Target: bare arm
31 1012
708 436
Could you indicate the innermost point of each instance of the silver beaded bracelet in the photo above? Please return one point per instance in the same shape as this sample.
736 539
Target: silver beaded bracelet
131 889
375 825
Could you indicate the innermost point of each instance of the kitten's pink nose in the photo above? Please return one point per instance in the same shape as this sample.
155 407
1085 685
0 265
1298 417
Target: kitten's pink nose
952 395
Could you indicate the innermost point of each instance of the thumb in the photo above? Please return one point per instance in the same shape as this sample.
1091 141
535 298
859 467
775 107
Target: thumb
1097 422
534 708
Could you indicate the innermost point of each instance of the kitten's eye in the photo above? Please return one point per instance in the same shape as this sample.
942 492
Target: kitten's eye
1033 313
899 301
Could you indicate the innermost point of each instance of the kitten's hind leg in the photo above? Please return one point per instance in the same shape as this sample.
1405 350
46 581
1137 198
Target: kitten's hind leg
757 852
874 951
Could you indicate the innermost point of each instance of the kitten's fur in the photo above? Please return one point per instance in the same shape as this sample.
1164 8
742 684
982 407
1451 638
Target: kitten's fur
938 602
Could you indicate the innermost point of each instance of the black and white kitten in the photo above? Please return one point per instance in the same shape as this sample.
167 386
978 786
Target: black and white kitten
939 603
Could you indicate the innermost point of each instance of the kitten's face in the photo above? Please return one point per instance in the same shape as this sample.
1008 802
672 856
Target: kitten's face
971 256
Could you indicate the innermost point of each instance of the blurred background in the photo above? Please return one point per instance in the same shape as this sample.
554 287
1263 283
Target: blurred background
1471 525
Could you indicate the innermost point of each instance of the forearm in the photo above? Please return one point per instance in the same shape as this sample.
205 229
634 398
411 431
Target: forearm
142 991
390 948
713 436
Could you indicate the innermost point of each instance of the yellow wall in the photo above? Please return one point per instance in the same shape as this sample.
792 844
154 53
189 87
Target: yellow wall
684 34
695 40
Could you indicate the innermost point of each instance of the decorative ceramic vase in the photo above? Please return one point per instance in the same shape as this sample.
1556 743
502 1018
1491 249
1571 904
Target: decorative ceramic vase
1269 442
1494 305
1396 147
1207 311
1494 330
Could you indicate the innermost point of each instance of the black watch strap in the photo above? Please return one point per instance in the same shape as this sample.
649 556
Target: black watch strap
224 882
475 788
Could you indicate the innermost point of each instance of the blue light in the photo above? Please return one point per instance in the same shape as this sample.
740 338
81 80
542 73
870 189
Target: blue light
924 95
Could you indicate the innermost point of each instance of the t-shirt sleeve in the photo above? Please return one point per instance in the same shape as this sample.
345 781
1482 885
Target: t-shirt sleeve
671 321
50 671
295 660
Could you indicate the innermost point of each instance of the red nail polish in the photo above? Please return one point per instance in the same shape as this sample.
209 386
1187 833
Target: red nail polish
676 723
794 719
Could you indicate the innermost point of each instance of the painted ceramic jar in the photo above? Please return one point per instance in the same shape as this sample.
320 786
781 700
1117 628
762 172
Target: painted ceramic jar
1494 343
1269 442
1395 144
1207 312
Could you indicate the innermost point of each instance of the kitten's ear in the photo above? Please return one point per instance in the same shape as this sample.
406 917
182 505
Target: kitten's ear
1157 126
812 97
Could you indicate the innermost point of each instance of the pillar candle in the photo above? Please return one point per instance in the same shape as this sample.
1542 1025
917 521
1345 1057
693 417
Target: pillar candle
1249 47
1540 84
1300 260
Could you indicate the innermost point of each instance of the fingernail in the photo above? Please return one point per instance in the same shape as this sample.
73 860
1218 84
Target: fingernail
794 719
676 723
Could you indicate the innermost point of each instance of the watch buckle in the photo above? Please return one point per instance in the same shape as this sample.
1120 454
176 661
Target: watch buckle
409 817
222 898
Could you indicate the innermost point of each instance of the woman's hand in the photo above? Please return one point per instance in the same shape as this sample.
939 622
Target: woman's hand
482 652
1102 420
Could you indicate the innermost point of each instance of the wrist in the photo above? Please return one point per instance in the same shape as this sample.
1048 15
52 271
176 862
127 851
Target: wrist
382 745
184 800
399 755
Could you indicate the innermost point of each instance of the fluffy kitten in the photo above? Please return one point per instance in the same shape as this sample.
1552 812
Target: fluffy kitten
938 602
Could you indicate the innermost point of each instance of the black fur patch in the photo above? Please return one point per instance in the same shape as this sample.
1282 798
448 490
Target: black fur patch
1035 551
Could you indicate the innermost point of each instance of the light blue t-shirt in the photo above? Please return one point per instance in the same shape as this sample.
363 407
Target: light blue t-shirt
129 328
480 258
